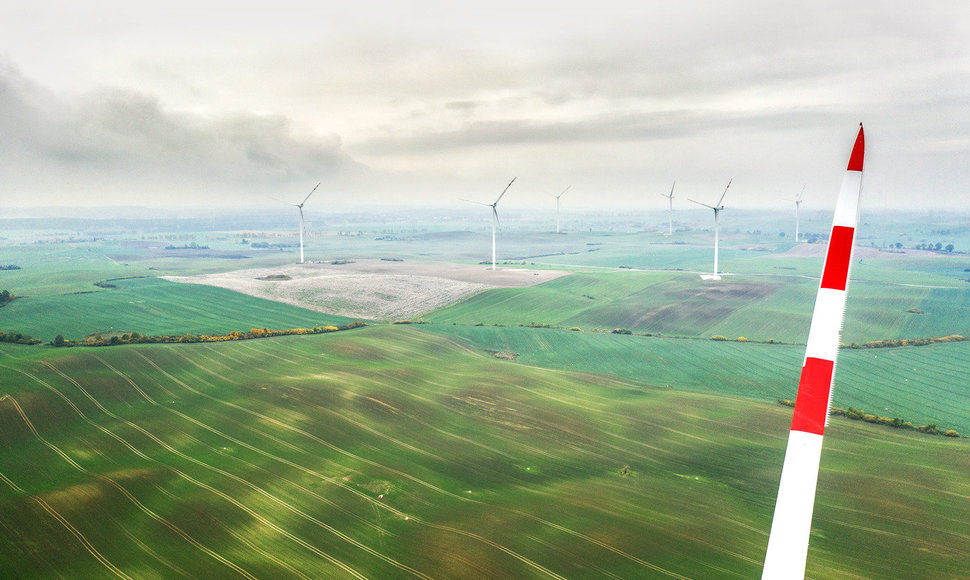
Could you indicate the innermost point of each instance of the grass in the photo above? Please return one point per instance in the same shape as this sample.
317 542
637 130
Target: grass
272 456
152 306
763 307
919 384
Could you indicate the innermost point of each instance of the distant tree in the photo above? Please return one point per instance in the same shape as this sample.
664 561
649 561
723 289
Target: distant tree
59 340
949 248
938 246
899 245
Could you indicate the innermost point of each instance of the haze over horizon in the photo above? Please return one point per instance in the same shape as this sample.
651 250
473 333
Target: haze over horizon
212 103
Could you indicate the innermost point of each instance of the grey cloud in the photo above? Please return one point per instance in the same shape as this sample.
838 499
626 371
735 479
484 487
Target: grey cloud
615 126
118 134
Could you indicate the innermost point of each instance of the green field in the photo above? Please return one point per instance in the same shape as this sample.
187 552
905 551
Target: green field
397 451
152 306
768 307
924 384
394 452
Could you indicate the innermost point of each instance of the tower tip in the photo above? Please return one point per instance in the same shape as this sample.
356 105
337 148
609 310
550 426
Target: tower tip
858 152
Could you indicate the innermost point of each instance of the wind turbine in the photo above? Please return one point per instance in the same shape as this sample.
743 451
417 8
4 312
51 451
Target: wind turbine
494 216
299 206
557 206
798 202
717 212
670 209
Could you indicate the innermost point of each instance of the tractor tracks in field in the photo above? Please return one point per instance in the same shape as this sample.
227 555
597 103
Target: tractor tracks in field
185 476
609 547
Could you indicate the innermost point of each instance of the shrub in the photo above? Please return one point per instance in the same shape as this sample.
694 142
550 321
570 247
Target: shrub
718 337
621 331
742 339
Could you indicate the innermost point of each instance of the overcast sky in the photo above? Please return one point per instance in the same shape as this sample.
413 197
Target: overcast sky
211 103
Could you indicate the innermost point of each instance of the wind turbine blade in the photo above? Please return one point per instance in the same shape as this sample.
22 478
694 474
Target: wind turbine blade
699 203
671 196
506 189
498 222
725 192
309 194
801 194
562 192
791 524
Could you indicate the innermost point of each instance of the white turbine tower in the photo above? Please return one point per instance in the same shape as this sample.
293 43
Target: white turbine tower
670 209
299 206
557 206
798 203
717 212
494 216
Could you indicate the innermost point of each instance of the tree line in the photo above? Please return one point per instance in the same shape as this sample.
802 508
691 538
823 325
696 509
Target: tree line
18 338
897 342
895 422
253 333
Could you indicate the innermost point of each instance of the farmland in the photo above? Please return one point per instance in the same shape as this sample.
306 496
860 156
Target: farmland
151 306
756 307
410 450
920 384
390 452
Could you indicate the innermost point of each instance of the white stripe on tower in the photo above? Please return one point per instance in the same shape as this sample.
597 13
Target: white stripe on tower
792 523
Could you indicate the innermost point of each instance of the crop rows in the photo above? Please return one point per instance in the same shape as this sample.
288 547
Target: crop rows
881 381
393 452
154 307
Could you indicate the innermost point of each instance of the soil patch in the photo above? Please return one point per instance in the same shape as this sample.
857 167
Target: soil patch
370 289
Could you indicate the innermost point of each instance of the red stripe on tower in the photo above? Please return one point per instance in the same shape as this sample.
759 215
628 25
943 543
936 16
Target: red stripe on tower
812 402
836 273
858 152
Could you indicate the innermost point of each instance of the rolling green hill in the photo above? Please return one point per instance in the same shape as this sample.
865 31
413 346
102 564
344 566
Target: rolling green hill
922 384
395 452
152 306
679 304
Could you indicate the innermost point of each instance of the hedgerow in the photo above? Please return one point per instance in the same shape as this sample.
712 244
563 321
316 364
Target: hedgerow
895 422
253 333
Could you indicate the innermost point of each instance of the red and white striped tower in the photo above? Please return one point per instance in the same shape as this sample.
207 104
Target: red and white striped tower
792 522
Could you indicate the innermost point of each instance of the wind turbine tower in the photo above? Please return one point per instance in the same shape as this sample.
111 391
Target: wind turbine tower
299 206
670 209
717 213
557 206
495 216
798 203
